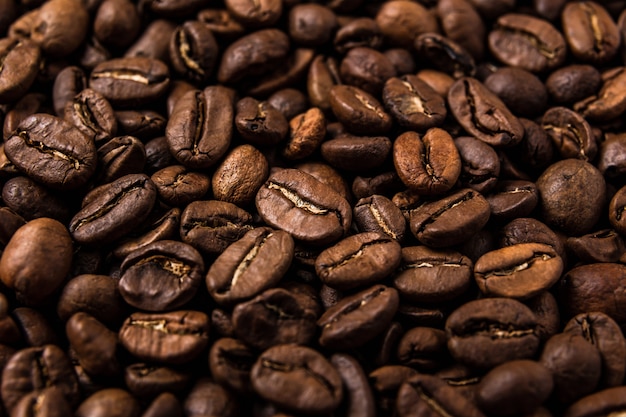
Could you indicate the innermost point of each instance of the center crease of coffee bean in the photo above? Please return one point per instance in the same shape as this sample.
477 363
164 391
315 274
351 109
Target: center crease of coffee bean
578 140
368 105
345 260
185 50
539 45
427 397
595 26
43 148
245 262
297 200
433 217
355 305
516 268
491 112
177 268
86 116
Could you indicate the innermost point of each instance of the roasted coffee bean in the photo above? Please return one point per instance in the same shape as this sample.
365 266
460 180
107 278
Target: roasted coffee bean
158 154
522 92
165 405
401 21
430 276
306 132
208 398
488 332
297 63
304 207
483 114
423 348
31 200
47 402
146 380
360 32
513 199
289 101
258 122
573 83
572 194
445 55
121 206
36 260
592 288
231 361
352 153
616 211
34 327
322 76
450 220
382 184
519 271
611 160
421 394
161 227
36 368
253 264
30 104
275 317
366 69
575 363
210 226
360 112
605 401
200 127
60 26
255 14
10 221
161 276
174 8
240 175
130 81
193 51
378 214
604 333
359 260
253 55
176 337
221 23
95 346
122 155
359 318
297 378
514 387
359 394
385 382
428 165
112 402
116 30
178 186
607 103
528 42
602 246
480 166
591 33
527 230
52 151
413 103
570 133
462 24
153 42
142 124
311 24
327 175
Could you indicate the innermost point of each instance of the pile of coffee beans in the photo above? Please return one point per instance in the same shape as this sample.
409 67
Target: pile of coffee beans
275 208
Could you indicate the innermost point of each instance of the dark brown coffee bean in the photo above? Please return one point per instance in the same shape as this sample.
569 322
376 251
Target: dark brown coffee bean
275 317
514 387
34 327
92 114
289 101
118 209
255 14
602 246
522 92
353 153
591 33
48 402
421 394
253 264
611 157
297 64
211 226
36 368
450 220
573 83
607 103
122 155
327 175
143 124
322 76
428 165
548 315
174 8
526 230
253 55
423 348
208 398
306 133
616 211
378 214
20 65
445 55
480 166
366 69
28 105
231 361
178 186
51 151
359 318
161 276
513 199
60 26
592 287
297 378
360 32
176 337
483 114
158 154
165 405
111 402
572 195
193 51
153 42
605 401
117 23
146 380
36 260
570 133
260 123
95 346
463 25
359 260
304 207
488 332
385 183
604 333
240 175
413 103
31 200
223 25
401 21
575 364
360 112
200 127
359 394
161 227
527 42
311 24
519 271
430 276
130 81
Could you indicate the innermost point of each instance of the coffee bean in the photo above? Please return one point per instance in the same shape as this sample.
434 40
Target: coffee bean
311 24
413 103
462 24
95 345
230 362
573 83
591 33
146 380
240 175
570 133
361 32
31 200
513 199
301 379
480 165
122 155
209 398
366 69
378 214
605 103
178 186
401 21
166 404
445 55
522 92
608 399
602 246
113 402
260 123
48 401
359 394
193 51
359 111
142 124
322 76
306 132
423 348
